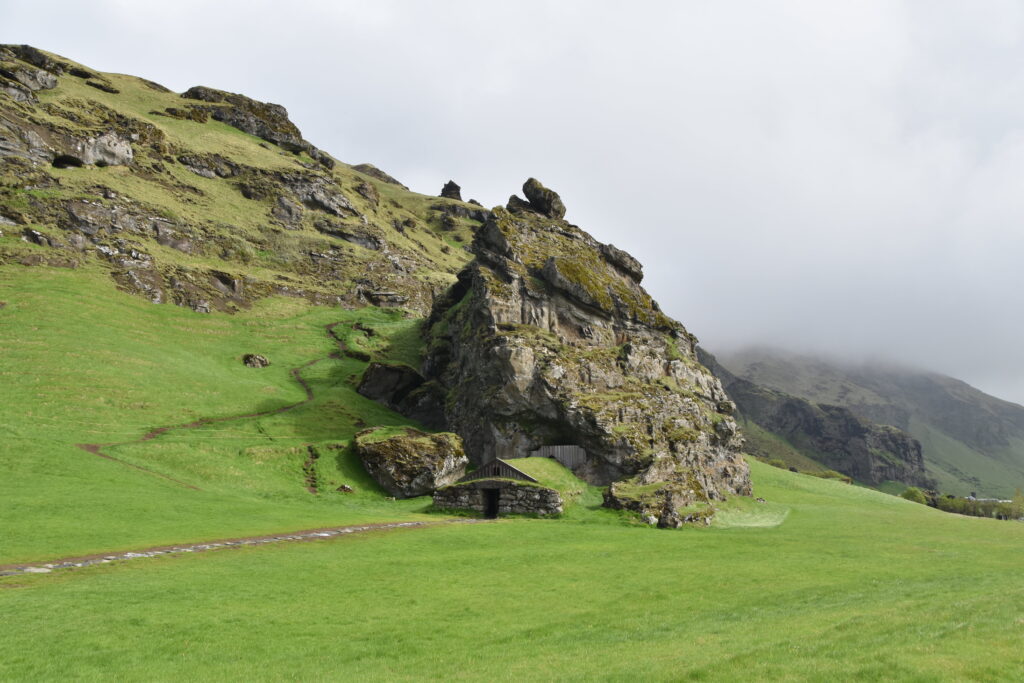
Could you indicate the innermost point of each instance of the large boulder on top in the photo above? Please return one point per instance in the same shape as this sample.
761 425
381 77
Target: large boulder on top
411 463
451 191
543 200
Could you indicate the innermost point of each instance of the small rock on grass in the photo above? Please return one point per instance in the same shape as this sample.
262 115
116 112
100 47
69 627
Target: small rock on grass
255 360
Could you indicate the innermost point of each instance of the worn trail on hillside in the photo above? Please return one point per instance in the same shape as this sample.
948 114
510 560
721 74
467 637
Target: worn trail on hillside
296 373
303 535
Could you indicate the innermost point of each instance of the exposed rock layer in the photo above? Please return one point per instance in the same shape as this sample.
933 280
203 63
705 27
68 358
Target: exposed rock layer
547 339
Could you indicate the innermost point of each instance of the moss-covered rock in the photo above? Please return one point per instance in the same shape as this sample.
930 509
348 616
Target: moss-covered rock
548 338
410 462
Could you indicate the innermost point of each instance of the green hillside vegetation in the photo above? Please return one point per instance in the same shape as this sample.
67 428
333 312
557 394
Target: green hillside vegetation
84 363
769 446
228 219
829 582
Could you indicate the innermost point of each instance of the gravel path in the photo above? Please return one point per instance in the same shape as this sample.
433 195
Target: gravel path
304 535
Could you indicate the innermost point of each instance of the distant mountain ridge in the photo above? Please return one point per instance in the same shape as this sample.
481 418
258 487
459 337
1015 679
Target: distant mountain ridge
813 436
971 441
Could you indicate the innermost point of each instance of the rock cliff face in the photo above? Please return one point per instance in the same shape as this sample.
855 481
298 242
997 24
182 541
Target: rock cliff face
830 434
548 338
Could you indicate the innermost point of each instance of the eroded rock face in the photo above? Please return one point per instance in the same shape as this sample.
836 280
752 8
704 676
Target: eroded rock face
412 463
546 340
404 390
109 149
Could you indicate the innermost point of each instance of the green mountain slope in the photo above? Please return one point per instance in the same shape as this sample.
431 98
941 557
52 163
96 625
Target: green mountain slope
970 441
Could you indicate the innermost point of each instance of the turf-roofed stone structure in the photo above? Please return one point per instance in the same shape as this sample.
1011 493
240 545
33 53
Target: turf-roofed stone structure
548 338
499 488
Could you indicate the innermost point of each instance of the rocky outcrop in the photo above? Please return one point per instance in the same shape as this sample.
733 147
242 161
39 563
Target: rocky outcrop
374 172
411 463
831 435
543 200
451 191
669 506
329 236
109 149
514 498
405 391
24 71
544 341
267 121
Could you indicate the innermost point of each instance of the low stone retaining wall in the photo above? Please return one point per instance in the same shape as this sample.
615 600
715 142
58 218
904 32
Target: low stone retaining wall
515 498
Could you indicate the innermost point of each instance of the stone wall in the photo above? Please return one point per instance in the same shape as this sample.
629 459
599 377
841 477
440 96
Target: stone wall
516 498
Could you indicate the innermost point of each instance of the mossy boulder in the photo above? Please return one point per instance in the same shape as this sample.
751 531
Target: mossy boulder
543 200
408 463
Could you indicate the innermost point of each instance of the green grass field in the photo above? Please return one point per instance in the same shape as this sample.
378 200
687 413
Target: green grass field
83 363
826 582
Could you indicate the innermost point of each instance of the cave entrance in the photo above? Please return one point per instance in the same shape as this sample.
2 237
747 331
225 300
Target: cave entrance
67 161
491 497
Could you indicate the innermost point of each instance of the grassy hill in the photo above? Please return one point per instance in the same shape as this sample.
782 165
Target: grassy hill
970 441
825 581
194 219
87 364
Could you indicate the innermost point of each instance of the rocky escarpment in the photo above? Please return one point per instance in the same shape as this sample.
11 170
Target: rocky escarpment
208 199
262 119
548 338
832 435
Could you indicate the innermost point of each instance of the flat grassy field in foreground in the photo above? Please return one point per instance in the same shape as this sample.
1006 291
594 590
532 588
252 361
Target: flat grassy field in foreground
826 581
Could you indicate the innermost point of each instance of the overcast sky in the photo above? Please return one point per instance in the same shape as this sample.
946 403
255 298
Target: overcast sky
833 177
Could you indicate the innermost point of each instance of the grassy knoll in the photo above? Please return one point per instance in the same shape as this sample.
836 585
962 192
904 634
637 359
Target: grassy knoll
827 581
83 363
